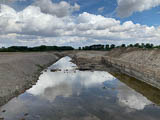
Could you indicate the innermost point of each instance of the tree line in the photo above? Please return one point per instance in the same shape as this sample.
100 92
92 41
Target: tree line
106 47
112 46
35 49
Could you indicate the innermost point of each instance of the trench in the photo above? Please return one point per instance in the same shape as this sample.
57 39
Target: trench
65 93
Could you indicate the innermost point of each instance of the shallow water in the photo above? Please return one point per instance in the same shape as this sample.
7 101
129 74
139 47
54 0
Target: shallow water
69 94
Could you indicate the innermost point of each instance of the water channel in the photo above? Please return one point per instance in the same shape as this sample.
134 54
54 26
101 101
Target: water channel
65 93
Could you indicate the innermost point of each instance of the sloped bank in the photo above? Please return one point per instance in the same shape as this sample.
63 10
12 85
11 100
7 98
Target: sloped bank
89 60
19 71
139 71
141 64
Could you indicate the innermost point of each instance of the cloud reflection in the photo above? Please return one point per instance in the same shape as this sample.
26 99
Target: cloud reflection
66 83
63 64
130 98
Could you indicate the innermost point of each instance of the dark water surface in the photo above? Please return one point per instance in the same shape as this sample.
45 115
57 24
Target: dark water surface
70 94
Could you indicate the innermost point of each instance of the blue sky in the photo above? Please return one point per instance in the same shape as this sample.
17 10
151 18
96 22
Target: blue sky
147 17
79 22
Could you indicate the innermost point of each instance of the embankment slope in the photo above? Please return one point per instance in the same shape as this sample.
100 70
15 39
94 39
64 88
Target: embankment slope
19 71
143 64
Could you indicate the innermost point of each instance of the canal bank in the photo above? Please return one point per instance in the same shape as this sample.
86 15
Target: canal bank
139 71
141 64
19 71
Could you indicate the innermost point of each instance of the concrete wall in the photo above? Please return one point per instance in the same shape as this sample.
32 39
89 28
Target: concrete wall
140 71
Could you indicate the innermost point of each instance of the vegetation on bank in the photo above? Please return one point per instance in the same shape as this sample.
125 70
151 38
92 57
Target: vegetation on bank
64 48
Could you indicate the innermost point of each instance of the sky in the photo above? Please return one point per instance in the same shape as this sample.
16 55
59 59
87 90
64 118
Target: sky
79 22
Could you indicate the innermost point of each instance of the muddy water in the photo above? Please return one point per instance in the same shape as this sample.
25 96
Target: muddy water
69 94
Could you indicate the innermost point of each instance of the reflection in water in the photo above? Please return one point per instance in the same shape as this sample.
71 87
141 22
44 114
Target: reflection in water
128 97
151 93
52 84
64 64
70 94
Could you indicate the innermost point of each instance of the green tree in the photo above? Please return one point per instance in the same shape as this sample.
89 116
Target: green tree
137 45
123 45
107 47
148 45
112 46
130 45
142 45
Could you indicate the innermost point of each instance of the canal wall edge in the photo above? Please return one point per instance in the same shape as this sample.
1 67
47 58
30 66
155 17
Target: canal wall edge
141 72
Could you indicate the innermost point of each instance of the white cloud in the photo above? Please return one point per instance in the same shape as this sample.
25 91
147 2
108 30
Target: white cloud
59 9
128 7
31 26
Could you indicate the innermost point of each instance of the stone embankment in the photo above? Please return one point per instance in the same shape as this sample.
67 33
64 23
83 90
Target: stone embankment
19 71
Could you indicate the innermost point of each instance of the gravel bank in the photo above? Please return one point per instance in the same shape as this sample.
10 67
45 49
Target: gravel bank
90 60
141 64
19 71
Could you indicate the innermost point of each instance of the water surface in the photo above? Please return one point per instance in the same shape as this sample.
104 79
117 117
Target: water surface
69 94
